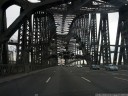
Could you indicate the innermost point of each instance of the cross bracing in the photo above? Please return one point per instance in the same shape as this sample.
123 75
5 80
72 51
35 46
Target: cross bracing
67 28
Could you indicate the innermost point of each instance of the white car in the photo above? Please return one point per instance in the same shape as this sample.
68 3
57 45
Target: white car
79 66
111 67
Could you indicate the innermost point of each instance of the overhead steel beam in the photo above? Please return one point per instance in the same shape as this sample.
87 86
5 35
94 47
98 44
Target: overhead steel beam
23 3
77 4
117 3
16 24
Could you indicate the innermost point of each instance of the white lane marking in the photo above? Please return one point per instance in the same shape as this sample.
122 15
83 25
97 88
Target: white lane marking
86 79
48 80
121 78
36 94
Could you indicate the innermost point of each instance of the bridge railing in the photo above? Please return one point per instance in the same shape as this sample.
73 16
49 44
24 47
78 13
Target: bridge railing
123 67
10 69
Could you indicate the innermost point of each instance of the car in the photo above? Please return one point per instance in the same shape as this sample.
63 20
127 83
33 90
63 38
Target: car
95 67
79 66
111 67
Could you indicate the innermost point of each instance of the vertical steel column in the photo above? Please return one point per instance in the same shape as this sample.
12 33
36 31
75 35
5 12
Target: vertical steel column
86 49
33 39
37 37
119 29
80 29
24 50
122 47
123 54
105 40
44 32
1 31
77 41
24 42
126 41
94 43
4 46
45 40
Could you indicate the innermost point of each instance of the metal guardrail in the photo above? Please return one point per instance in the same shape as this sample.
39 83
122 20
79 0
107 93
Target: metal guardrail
121 67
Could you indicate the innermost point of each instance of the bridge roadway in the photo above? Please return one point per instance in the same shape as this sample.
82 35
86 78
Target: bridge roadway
67 81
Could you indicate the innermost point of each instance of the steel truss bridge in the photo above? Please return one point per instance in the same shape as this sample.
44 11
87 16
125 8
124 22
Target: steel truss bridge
53 29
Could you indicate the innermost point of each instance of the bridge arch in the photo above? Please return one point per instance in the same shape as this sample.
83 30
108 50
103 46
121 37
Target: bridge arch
78 34
28 11
90 40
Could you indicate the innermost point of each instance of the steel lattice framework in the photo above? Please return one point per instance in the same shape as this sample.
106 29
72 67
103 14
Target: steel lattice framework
52 28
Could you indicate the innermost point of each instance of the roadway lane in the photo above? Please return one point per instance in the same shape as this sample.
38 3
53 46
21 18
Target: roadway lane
67 81
108 81
27 86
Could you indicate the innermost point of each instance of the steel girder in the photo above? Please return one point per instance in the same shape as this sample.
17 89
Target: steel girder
105 40
35 42
74 7
28 11
94 40
5 34
122 6
86 35
80 31
24 41
121 48
25 4
3 47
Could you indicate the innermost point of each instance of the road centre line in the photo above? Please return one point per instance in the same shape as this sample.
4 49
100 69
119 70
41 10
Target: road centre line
86 79
48 79
121 79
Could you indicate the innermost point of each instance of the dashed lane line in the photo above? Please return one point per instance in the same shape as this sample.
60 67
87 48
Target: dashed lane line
48 79
86 79
121 79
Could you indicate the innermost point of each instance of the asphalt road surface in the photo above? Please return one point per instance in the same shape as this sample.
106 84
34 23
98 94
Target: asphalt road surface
67 81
